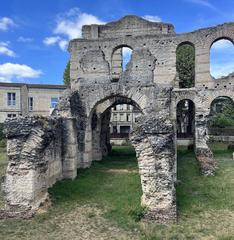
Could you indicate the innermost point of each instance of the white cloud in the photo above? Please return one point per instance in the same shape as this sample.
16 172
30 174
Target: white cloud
222 44
204 3
24 39
13 71
62 43
219 71
5 23
51 40
152 18
69 26
208 4
4 50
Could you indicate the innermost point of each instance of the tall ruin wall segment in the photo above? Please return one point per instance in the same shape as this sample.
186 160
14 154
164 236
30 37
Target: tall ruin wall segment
42 151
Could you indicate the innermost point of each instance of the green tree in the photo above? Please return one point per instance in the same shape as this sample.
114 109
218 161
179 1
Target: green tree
225 116
66 75
185 65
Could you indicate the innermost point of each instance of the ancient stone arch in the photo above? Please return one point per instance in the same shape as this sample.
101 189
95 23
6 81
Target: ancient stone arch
43 150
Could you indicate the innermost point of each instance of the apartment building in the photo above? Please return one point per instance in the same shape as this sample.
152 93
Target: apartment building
28 99
123 117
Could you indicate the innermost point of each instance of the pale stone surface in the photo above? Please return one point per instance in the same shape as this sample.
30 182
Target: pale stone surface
150 83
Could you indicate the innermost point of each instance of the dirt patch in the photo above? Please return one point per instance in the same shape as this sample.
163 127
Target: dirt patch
120 171
84 222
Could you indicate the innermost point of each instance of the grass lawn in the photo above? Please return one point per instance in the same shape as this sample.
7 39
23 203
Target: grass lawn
104 203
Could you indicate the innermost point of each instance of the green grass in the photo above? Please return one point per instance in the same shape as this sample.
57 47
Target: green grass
115 191
205 204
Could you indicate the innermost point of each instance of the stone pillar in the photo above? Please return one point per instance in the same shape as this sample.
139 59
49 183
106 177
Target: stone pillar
105 133
203 153
96 135
153 139
70 150
88 148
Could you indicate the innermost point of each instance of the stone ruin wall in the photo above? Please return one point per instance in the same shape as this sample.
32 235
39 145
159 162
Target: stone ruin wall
44 150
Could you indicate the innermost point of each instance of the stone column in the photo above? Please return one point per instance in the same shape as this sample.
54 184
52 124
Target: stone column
105 133
87 155
96 135
153 139
203 153
70 150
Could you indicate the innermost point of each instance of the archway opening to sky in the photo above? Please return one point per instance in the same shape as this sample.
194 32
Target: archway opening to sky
222 58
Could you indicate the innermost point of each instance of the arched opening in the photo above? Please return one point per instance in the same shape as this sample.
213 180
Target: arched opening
113 119
221 58
185 65
185 115
121 56
117 162
221 120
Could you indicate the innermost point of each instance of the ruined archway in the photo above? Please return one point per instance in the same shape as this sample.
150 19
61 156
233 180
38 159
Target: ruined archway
99 118
45 150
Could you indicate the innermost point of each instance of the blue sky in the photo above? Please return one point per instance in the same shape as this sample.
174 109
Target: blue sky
34 34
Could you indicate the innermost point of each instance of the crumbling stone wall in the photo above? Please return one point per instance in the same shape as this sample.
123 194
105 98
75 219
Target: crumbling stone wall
78 127
34 155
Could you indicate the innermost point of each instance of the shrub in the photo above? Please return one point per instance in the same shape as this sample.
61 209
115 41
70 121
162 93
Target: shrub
2 135
3 143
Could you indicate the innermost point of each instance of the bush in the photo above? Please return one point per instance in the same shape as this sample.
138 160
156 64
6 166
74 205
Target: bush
2 135
225 118
3 143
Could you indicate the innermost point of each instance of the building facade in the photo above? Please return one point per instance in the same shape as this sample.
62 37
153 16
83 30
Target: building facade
20 99
123 118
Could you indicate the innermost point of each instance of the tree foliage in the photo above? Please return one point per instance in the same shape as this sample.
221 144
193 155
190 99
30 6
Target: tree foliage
225 117
66 75
185 65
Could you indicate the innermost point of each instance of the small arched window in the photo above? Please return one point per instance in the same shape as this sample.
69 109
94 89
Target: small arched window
185 65
120 59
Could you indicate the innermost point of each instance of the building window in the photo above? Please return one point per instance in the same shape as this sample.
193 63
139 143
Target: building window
54 102
121 116
11 115
11 99
128 107
128 117
115 118
30 103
